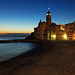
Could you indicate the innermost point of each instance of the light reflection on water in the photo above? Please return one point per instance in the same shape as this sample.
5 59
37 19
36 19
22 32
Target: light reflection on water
9 50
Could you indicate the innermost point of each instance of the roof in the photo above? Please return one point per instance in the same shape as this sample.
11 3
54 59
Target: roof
48 12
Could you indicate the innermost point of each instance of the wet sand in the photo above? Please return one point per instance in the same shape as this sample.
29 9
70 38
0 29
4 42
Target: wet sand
50 58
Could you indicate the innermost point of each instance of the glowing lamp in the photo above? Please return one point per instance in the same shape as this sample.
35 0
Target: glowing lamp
54 36
47 13
65 36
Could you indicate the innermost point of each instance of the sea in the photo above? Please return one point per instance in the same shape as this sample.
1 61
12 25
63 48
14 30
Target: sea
11 38
10 50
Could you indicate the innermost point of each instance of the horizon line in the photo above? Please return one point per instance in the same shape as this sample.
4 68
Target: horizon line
13 32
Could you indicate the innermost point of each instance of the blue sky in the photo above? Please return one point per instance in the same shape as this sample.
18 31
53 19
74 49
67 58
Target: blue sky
20 16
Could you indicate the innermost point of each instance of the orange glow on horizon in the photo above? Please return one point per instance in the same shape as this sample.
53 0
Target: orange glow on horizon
13 32
2 33
9 30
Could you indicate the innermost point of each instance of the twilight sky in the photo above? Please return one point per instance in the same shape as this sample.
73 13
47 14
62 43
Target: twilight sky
20 16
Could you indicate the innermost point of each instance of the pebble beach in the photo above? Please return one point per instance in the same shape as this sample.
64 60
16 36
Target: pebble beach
50 58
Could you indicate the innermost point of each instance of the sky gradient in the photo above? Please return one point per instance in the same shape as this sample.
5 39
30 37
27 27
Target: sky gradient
21 16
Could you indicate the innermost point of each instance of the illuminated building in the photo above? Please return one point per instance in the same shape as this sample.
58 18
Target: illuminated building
70 30
50 31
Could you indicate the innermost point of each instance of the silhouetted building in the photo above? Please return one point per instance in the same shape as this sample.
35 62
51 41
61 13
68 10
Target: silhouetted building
50 31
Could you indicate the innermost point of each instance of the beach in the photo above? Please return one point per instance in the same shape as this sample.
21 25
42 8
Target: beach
50 58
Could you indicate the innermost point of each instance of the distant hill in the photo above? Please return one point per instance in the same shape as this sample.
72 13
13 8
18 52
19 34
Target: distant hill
15 35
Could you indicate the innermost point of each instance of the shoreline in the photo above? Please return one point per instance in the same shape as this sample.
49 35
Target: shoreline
25 54
50 58
31 40
20 40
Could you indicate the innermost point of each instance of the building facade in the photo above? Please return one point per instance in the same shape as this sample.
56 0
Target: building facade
50 31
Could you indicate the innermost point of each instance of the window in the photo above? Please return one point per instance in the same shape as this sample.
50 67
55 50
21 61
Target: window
66 27
53 31
47 18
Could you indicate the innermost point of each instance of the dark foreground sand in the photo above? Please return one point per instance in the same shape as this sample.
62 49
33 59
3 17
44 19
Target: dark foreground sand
51 58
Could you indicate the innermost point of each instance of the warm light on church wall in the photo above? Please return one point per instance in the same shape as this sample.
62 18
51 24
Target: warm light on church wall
65 36
53 37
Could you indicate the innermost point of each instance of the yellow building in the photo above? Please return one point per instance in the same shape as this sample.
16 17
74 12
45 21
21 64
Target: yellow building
50 31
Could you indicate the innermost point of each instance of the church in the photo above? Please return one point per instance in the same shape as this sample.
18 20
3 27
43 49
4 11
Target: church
50 31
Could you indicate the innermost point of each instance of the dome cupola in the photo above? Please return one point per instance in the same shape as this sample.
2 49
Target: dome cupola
48 13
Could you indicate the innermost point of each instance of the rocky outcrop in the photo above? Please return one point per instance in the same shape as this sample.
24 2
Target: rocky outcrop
31 36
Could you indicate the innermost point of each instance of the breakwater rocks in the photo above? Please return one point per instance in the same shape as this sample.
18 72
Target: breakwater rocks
19 40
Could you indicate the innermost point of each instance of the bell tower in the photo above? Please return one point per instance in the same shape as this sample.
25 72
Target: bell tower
48 18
